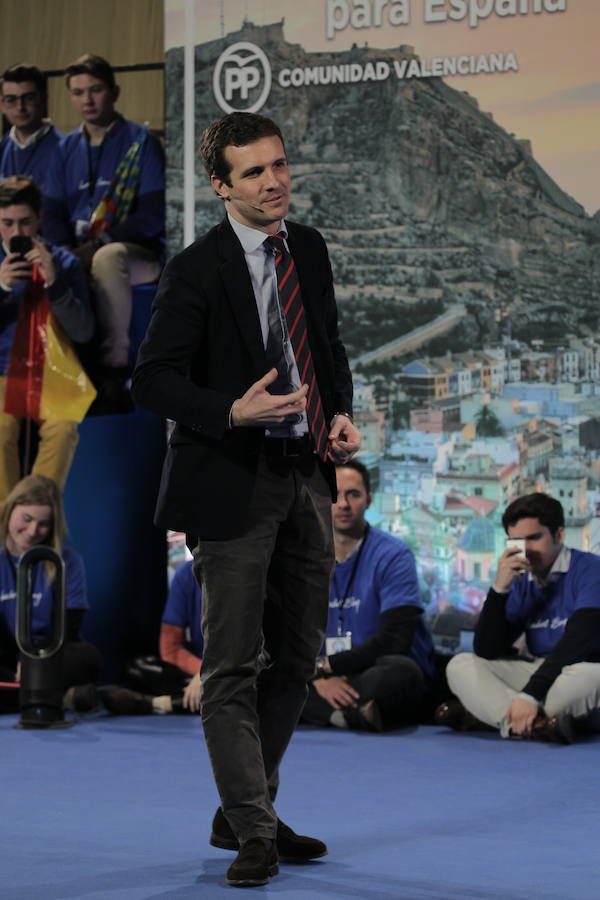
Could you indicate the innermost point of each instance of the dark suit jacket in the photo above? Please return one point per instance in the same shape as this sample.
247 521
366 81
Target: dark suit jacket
204 349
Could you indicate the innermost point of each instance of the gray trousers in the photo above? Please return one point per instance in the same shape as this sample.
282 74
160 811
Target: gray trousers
264 611
487 687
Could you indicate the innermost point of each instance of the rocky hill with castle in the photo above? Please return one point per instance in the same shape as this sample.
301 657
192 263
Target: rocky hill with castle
429 207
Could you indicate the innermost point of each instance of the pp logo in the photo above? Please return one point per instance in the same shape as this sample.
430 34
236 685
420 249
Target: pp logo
239 71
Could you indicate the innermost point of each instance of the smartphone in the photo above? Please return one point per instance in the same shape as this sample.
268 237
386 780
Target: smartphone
516 544
20 243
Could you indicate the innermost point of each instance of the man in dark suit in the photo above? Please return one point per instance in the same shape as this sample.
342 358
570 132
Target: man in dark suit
243 352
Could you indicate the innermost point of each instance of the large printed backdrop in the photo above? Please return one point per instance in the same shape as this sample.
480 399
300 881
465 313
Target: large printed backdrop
465 255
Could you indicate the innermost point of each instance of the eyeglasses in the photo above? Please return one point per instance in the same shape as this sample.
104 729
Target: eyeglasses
15 99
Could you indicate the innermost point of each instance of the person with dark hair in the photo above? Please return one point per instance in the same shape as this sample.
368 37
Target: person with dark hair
535 672
31 145
29 281
33 514
105 201
378 659
243 352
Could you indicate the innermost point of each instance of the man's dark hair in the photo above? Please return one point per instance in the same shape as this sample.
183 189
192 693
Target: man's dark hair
88 64
545 509
25 72
17 189
361 469
236 129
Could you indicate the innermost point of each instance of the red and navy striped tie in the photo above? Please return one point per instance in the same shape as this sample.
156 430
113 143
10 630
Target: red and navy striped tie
290 299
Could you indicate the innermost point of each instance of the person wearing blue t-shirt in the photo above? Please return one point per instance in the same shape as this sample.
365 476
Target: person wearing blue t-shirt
535 672
33 514
31 145
118 255
378 658
171 683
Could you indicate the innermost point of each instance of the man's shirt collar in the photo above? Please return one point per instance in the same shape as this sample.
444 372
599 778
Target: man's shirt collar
251 238
560 566
108 130
36 136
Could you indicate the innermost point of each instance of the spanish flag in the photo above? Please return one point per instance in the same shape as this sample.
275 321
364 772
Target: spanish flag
45 379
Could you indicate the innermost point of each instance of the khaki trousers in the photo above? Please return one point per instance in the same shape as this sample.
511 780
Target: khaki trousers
57 443
487 687
115 268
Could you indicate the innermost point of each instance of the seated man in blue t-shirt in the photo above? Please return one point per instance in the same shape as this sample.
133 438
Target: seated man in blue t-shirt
378 658
118 247
550 596
171 683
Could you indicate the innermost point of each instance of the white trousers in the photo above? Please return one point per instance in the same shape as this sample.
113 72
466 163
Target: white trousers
487 687
115 268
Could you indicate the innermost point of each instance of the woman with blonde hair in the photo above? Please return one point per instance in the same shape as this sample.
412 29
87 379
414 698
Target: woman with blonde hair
33 514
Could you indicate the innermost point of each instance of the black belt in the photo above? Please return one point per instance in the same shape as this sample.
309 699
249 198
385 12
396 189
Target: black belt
288 446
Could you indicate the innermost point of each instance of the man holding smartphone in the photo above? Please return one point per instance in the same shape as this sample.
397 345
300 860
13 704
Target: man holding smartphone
58 273
536 668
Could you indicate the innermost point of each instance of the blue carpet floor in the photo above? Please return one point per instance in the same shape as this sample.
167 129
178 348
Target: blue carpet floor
120 808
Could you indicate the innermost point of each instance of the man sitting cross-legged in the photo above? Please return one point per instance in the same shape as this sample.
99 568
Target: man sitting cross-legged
550 595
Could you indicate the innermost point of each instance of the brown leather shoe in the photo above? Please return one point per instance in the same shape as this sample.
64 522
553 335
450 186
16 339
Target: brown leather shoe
452 714
554 730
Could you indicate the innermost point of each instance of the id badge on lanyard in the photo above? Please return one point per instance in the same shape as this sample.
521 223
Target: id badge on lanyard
337 644
343 639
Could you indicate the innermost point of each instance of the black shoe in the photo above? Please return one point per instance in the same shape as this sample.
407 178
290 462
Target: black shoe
291 847
124 702
82 698
365 717
255 863
553 730
452 714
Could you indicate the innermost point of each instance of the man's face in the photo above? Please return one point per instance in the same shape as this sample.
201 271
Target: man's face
352 501
19 219
541 549
259 191
93 99
23 105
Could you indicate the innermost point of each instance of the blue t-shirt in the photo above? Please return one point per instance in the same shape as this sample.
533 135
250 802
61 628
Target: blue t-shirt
75 591
184 606
78 183
36 160
542 612
68 275
386 577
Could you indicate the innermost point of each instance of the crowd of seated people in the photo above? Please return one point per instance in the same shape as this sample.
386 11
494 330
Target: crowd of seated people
534 673
81 222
